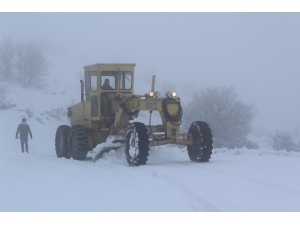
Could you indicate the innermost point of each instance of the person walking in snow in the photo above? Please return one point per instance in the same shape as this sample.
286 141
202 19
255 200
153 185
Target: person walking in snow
24 129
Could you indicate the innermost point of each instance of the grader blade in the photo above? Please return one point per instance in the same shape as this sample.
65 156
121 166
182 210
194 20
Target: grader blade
100 149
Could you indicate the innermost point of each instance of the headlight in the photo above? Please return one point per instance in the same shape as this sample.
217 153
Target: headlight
157 94
174 94
151 93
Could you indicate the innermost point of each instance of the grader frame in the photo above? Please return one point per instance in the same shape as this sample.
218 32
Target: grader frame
105 113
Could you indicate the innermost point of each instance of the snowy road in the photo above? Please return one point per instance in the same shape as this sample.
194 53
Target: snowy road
238 180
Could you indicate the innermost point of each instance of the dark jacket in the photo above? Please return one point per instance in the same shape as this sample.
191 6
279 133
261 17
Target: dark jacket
24 129
106 87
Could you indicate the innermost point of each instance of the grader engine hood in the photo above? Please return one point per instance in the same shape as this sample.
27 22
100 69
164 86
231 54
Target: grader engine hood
172 110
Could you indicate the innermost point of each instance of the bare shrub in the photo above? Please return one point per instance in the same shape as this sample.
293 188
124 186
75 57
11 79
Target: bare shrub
251 145
3 91
4 104
40 120
229 118
57 113
28 111
281 141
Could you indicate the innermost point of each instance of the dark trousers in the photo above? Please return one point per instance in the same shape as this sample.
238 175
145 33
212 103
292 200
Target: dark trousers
24 140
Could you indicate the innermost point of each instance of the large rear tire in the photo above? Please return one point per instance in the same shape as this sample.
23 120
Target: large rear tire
201 149
78 142
137 144
61 141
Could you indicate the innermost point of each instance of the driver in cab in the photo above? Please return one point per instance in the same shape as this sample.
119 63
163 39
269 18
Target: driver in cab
106 85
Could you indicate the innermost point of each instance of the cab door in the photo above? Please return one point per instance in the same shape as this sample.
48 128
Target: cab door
93 94
108 83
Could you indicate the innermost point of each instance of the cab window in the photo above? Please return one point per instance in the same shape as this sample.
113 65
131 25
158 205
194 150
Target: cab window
126 80
109 80
93 80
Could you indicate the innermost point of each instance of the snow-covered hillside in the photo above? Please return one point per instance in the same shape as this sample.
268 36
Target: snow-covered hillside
239 180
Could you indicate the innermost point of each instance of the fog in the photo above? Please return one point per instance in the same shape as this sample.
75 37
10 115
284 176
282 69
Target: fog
257 53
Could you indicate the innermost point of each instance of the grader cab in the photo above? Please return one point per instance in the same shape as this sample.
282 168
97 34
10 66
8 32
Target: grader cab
105 115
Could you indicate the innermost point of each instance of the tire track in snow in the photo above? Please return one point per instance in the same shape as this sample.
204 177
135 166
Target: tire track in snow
195 188
264 183
193 199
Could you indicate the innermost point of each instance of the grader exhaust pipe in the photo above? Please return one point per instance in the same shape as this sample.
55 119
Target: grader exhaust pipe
153 83
81 82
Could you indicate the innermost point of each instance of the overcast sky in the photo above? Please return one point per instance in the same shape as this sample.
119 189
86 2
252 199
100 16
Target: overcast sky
257 53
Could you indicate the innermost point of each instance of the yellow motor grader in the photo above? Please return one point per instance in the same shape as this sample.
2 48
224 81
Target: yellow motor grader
103 120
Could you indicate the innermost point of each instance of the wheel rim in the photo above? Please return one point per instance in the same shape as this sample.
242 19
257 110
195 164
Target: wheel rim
196 142
133 150
137 144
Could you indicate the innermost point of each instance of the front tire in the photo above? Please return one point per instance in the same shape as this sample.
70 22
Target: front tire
137 144
61 141
201 149
78 142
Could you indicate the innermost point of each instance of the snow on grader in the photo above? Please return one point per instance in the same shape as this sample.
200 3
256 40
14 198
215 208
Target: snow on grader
103 119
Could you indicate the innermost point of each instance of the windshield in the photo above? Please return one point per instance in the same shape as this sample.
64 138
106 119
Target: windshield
109 80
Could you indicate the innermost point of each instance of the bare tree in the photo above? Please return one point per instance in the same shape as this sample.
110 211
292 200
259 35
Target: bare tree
229 118
281 141
20 49
6 58
33 64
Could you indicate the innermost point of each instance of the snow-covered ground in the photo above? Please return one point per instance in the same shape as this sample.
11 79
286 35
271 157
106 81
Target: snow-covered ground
239 180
